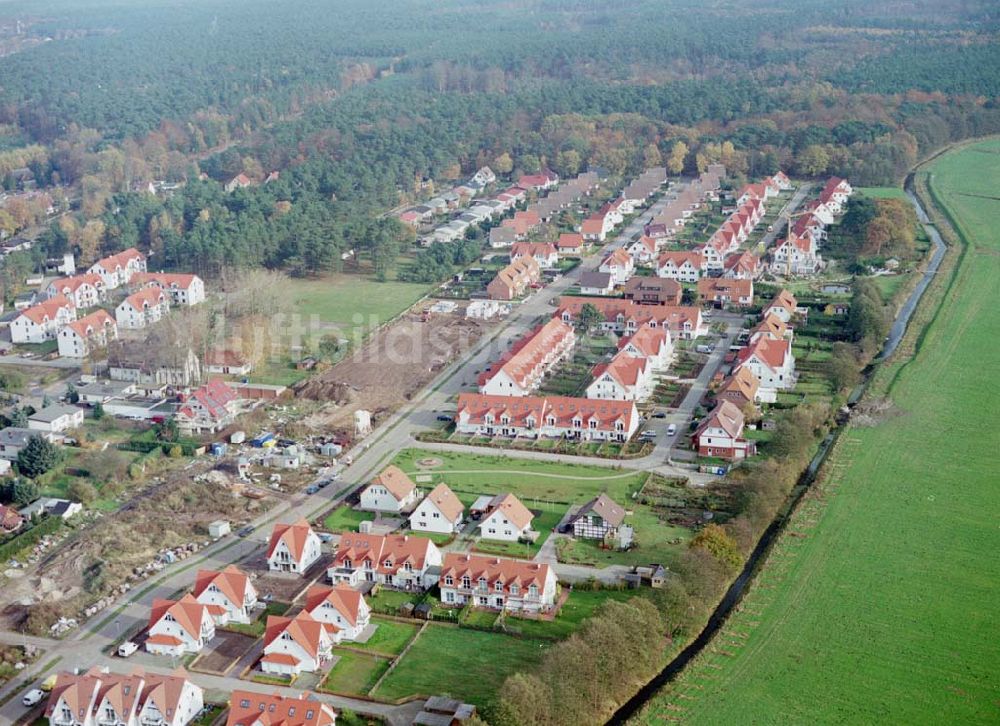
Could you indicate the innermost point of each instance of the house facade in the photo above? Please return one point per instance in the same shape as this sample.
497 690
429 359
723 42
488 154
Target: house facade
246 709
42 322
653 344
619 265
117 270
295 645
148 306
723 292
399 561
91 332
533 417
293 547
497 584
680 266
721 434
514 280
229 589
522 369
341 608
599 518
84 291
624 378
440 512
391 491
180 626
183 289
506 519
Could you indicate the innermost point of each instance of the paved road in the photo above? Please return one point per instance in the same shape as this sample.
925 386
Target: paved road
780 226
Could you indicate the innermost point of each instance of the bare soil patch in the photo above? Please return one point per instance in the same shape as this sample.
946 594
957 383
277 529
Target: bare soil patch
223 652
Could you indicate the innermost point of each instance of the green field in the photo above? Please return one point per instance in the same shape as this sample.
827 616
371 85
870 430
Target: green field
466 664
389 638
526 478
345 519
879 606
354 673
348 300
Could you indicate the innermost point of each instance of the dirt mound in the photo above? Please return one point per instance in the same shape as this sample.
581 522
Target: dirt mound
873 412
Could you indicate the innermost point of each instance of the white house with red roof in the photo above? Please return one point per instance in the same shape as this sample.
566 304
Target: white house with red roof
835 194
682 266
742 266
180 626
341 608
796 255
781 180
440 512
543 180
721 434
148 306
293 547
506 519
208 408
229 589
89 333
534 417
85 291
623 378
184 289
117 270
521 370
619 264
627 316
653 344
643 251
228 361
296 645
390 491
570 243
784 306
545 253
772 363
97 697
403 562
252 708
43 321
497 583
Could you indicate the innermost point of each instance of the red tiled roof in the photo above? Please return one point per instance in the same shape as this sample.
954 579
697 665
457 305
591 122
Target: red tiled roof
523 359
47 310
147 297
624 368
88 324
248 707
304 629
344 598
182 281
564 409
522 573
232 582
397 548
187 612
768 350
727 416
397 483
294 536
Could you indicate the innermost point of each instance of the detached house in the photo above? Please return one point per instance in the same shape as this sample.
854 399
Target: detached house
796 255
208 408
400 561
183 289
506 519
440 512
99 698
544 253
772 363
643 250
229 589
599 518
742 266
295 645
620 266
43 321
56 418
341 608
784 306
180 626
596 283
721 434
117 270
390 491
653 344
680 266
251 708
741 389
569 243
89 333
142 308
497 584
293 547
624 378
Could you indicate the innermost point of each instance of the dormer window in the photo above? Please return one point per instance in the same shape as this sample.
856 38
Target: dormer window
498 586
466 582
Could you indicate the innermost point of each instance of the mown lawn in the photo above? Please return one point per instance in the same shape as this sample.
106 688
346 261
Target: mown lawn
880 607
390 637
580 606
466 664
354 673
345 519
528 479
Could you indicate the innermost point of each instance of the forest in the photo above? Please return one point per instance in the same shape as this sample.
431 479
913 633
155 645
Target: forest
354 104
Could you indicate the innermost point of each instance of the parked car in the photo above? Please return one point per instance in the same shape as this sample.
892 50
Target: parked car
660 414
312 489
648 434
671 430
33 697
127 648
323 483
445 417
245 531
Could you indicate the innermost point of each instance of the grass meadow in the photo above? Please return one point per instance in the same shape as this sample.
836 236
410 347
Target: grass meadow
879 603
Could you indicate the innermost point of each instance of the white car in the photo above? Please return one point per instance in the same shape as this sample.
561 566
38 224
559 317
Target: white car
33 697
671 430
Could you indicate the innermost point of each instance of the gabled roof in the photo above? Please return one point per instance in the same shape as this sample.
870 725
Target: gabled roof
88 324
617 258
522 573
784 299
178 280
395 481
746 261
47 310
187 612
75 282
345 599
771 325
147 297
533 249
739 288
564 409
447 503
120 260
165 691
727 416
510 507
231 582
303 628
397 548
247 707
604 507
293 535
679 258
623 368
648 341
769 351
570 240
522 361
743 383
